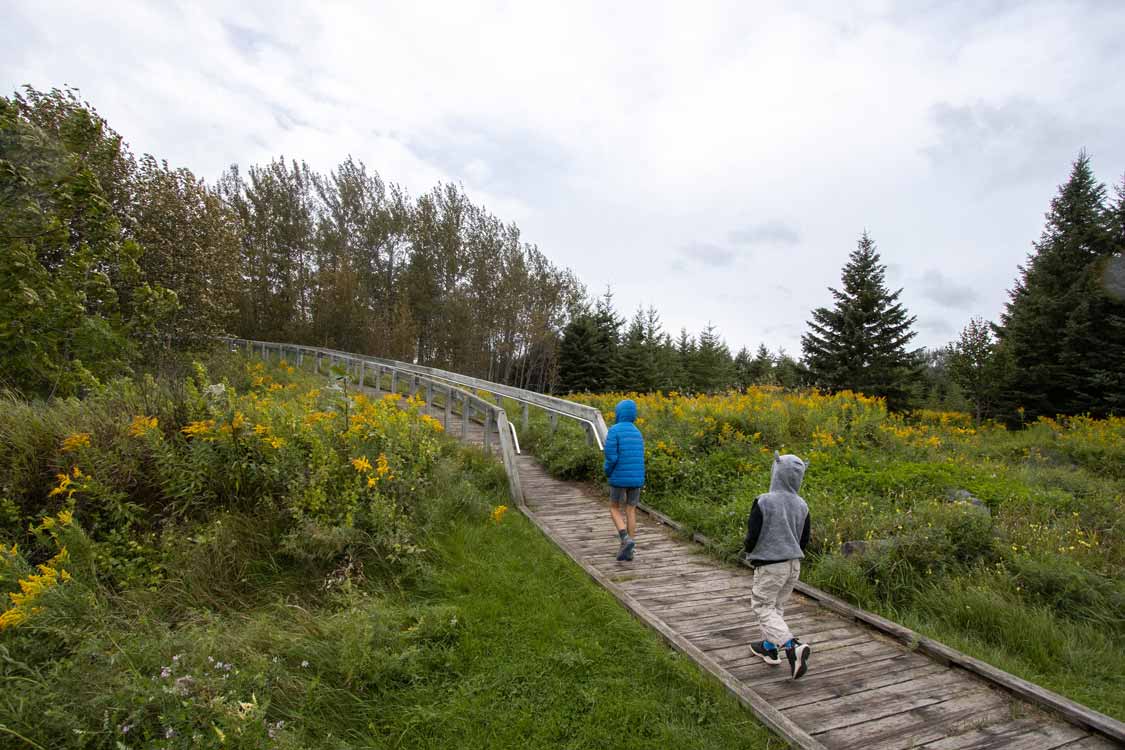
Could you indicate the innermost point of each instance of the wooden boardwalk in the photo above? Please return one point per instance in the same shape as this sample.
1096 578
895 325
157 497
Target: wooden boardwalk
863 689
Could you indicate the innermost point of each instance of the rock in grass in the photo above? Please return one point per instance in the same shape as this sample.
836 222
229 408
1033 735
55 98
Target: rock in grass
964 496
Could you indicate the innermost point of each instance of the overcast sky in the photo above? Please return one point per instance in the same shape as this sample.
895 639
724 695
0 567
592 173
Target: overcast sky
717 161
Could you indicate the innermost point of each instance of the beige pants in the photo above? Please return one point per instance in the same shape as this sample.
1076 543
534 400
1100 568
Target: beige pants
772 586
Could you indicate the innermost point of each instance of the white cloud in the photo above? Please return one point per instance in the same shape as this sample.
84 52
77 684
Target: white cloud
618 134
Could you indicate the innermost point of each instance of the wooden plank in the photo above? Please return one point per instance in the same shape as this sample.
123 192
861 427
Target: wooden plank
1075 712
1021 734
911 729
886 701
769 715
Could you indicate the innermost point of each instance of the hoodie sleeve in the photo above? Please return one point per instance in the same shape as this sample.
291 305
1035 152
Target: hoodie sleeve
806 532
610 451
753 528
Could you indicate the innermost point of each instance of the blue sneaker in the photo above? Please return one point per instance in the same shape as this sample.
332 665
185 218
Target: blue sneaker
626 551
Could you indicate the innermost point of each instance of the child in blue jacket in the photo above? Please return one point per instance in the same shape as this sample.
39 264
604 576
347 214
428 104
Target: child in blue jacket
625 469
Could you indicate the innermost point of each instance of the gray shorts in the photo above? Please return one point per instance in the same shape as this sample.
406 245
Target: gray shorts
627 495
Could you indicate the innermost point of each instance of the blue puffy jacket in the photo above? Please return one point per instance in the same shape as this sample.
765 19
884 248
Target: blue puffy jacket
625 449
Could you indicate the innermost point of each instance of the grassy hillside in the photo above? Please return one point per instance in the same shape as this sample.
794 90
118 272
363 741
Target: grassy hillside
241 557
1007 544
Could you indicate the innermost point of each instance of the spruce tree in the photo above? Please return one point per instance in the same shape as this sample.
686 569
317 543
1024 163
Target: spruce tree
711 366
761 367
638 357
580 366
860 344
977 366
1061 325
742 365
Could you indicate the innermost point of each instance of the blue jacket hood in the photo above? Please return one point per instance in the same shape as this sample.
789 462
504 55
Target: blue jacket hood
626 411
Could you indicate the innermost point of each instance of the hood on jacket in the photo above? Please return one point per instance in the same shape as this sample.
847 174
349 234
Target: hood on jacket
787 474
626 410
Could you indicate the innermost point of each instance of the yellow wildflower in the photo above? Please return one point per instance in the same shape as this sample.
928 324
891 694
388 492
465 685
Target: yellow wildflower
382 467
371 481
498 513
275 442
238 421
65 518
141 425
261 429
75 441
200 429
361 464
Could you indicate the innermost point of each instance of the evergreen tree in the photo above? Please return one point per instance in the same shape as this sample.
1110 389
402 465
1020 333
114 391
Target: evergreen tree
788 372
607 324
580 365
685 356
640 352
761 367
976 365
860 344
1062 327
742 365
712 368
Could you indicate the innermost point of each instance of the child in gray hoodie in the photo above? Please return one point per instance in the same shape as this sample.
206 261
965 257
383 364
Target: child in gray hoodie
776 536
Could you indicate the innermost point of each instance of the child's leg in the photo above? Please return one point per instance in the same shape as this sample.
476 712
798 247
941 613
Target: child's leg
768 582
617 516
631 520
786 589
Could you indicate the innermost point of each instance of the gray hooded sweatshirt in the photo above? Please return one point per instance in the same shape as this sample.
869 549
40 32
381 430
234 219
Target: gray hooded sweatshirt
778 527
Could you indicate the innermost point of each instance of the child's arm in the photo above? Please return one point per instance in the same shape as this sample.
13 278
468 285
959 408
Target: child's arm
805 532
610 452
753 528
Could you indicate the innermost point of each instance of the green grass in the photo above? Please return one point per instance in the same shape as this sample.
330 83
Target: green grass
255 618
503 643
549 659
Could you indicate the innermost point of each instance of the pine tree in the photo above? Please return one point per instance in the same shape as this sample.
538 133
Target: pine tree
685 356
761 367
711 366
976 365
860 344
1061 327
742 366
579 367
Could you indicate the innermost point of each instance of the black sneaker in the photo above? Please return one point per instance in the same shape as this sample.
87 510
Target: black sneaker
798 655
768 655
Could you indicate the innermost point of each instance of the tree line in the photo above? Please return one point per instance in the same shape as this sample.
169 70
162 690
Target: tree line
1058 348
110 260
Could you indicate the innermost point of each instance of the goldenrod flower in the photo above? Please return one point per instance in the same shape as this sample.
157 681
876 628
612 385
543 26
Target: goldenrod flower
275 442
141 425
498 513
361 464
200 429
238 421
382 467
75 441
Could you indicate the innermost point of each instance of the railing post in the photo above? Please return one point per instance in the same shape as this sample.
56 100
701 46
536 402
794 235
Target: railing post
362 372
508 457
448 406
301 357
429 392
523 416
394 380
466 409
554 419
487 432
